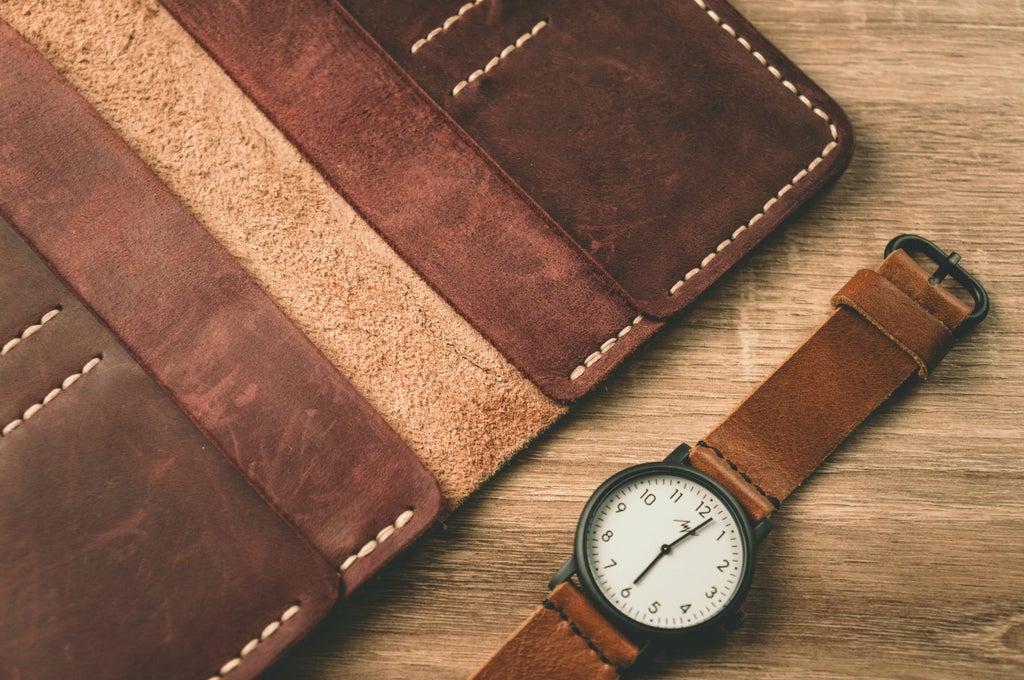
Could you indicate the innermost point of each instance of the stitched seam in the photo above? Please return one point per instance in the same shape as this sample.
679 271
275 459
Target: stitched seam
50 396
268 630
509 49
445 25
382 535
548 604
774 501
796 178
28 332
845 301
606 346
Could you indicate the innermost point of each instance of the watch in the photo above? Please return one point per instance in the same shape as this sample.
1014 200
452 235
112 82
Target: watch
665 550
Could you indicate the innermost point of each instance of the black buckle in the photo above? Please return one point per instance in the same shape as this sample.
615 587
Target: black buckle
949 265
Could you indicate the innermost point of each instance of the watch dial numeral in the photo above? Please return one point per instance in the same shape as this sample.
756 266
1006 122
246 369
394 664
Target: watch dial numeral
664 549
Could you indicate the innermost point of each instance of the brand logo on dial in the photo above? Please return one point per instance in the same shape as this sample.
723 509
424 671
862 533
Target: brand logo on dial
665 550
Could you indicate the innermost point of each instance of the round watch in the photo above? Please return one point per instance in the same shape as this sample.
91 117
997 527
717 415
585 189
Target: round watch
665 550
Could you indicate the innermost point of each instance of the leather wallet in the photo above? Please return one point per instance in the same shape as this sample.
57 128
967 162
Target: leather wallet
566 174
185 481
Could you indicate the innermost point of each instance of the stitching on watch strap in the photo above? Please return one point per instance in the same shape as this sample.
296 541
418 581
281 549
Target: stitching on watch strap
772 499
548 604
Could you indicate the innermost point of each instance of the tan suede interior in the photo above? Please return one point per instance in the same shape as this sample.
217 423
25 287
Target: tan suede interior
458 403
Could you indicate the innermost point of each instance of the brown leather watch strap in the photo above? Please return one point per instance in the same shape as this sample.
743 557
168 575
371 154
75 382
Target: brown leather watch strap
564 639
887 325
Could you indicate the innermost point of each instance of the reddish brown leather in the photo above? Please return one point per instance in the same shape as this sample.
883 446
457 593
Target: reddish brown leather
645 130
248 378
895 314
658 143
564 639
131 547
780 434
424 185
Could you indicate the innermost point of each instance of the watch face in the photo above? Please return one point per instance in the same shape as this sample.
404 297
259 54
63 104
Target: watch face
665 547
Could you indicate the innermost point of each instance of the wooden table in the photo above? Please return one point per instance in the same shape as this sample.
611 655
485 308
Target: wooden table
904 555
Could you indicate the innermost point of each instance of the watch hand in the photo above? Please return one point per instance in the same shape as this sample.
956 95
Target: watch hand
667 548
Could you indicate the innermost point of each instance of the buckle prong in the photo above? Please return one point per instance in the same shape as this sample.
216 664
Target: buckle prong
948 265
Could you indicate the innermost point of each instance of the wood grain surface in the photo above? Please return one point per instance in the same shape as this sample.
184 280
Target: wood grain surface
904 555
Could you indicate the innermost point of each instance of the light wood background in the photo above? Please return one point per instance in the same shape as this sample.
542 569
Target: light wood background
904 555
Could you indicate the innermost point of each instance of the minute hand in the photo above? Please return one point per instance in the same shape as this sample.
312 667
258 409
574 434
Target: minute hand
667 548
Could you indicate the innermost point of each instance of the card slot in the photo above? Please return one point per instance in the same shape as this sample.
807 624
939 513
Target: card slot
116 500
665 169
471 40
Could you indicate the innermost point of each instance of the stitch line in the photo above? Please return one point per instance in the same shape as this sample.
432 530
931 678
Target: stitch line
833 131
382 535
28 332
50 396
268 630
509 49
548 604
445 25
774 501
606 346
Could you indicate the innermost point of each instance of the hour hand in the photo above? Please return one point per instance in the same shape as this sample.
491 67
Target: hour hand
666 548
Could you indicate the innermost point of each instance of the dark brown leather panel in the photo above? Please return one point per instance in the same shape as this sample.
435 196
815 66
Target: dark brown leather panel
651 131
249 379
783 431
132 548
564 639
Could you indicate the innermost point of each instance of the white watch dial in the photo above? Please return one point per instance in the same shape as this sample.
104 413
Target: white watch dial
665 550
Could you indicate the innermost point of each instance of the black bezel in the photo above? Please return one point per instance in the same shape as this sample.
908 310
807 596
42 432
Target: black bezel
606 607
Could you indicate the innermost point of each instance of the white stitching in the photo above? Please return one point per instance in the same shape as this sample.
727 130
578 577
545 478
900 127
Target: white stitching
268 630
445 25
594 357
10 344
50 396
382 535
833 131
509 49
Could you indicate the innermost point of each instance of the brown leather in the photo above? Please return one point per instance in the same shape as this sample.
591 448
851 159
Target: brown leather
564 639
131 547
664 141
887 326
424 185
249 379
142 399
896 315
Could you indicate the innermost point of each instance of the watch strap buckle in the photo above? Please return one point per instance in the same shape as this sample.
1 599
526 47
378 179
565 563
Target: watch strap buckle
948 264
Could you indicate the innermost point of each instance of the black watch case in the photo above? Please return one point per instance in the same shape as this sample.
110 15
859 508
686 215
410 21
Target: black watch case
676 463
